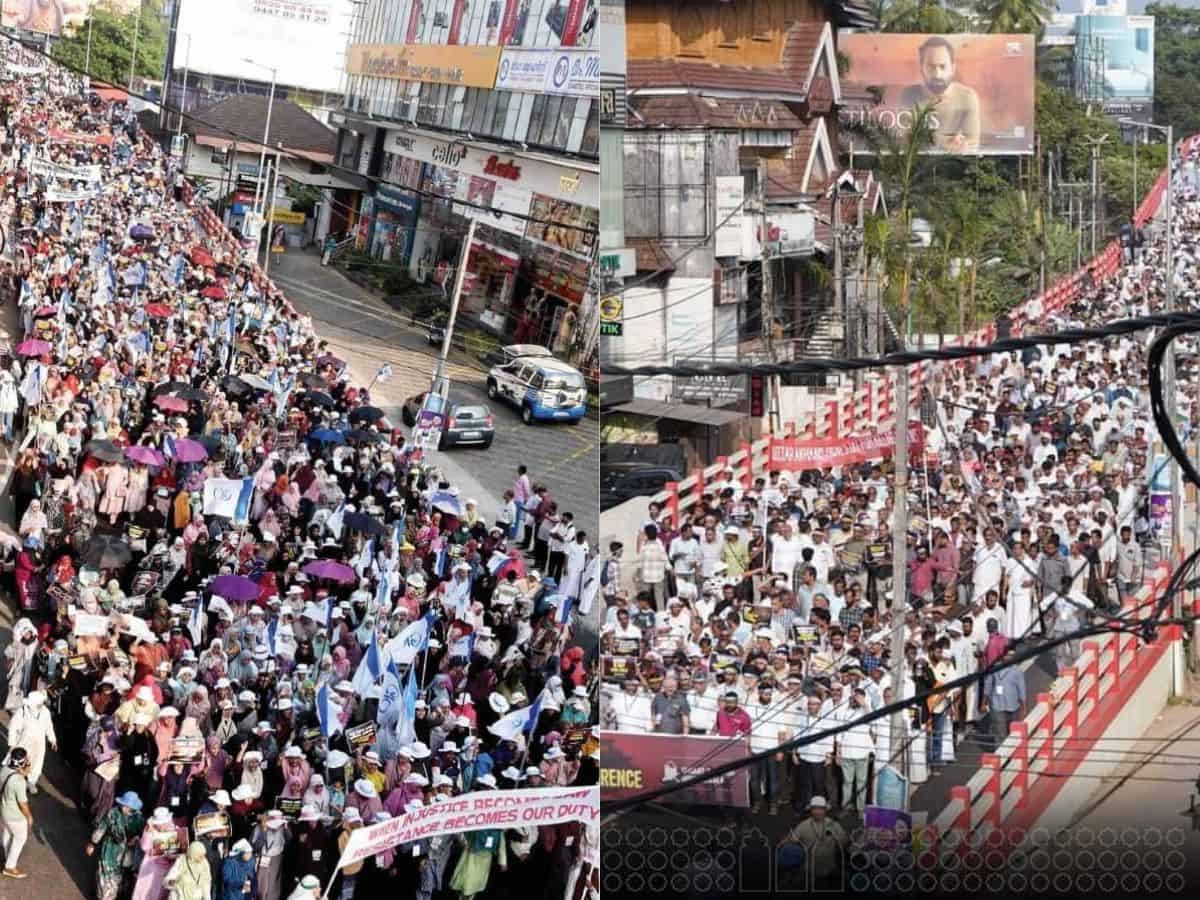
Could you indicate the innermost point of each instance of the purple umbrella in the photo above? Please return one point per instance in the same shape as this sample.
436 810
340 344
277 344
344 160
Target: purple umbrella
331 569
189 451
147 456
234 587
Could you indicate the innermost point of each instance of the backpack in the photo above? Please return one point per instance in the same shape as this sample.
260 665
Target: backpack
604 576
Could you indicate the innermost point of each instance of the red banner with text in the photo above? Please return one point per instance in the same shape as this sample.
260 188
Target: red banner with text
796 454
634 763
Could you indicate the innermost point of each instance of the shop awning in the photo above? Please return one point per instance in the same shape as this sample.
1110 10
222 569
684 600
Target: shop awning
294 171
679 412
110 94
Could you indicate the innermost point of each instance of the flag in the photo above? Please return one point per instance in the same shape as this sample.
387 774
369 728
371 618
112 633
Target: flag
369 671
366 557
414 639
390 695
334 522
228 498
328 712
518 721
383 591
440 559
464 647
271 630
196 623
564 610
406 731
31 385
330 604
241 514
169 446
384 373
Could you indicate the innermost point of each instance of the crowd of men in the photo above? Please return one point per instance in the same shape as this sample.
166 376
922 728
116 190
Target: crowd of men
765 612
253 617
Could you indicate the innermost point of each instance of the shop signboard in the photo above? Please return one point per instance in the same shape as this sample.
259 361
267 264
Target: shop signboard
560 182
461 66
731 198
495 203
563 225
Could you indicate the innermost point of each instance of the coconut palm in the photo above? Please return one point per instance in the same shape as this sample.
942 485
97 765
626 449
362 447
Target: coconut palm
1015 16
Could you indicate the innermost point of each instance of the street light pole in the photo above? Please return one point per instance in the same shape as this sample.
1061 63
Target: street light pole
87 59
187 61
260 187
137 30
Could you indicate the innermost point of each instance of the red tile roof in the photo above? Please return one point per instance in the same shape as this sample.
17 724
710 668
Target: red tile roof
644 73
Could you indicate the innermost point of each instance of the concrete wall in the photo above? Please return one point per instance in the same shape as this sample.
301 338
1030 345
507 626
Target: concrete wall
621 523
1131 722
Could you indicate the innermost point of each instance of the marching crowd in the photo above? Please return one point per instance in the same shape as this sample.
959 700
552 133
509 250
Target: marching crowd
1038 503
254 618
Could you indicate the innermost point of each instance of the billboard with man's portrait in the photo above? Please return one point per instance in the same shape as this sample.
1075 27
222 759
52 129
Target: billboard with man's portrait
981 88
42 16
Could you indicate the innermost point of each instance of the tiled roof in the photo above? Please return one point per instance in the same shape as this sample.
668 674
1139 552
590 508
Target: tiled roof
694 111
785 177
645 73
800 44
243 115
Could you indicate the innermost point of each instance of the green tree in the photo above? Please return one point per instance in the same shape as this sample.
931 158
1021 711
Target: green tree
1015 16
918 17
113 44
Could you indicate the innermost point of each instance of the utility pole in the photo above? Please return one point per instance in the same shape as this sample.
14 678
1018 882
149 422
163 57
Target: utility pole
1041 184
898 731
767 301
87 59
271 217
137 30
1136 136
187 61
1095 144
459 276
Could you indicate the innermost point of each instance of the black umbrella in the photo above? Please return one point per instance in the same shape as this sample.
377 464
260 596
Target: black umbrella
366 414
170 387
313 381
210 442
106 551
320 398
357 521
231 384
359 434
193 394
105 451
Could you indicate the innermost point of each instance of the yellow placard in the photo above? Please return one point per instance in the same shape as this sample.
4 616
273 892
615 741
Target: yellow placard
287 217
431 63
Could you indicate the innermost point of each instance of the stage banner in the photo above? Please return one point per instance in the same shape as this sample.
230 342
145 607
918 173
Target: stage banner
635 763
476 811
798 454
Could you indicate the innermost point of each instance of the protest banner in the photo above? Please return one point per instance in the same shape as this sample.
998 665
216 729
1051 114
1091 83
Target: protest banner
633 763
361 735
473 812
80 137
798 454
65 195
88 625
290 806
90 173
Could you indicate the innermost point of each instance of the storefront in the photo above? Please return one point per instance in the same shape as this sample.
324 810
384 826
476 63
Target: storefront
528 269
396 214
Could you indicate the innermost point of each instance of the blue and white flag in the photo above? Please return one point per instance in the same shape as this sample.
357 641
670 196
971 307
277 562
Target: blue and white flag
196 623
406 729
366 557
369 671
518 721
414 639
383 591
334 522
464 647
564 610
31 385
328 712
229 498
389 697
271 630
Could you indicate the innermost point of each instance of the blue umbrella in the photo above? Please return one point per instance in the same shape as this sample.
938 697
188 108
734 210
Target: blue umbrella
446 502
327 436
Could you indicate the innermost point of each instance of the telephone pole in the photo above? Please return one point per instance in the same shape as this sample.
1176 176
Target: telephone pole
767 302
1095 144
898 730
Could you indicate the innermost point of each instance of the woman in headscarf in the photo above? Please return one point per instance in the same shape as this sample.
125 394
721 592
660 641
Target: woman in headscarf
252 778
270 840
160 841
26 479
341 663
21 655
315 794
198 707
114 837
237 872
34 523
100 748
190 877
116 489
296 773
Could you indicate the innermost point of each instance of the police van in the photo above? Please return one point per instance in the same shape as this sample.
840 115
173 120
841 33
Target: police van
542 387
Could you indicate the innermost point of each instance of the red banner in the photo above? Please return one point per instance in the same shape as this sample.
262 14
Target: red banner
798 454
509 23
634 763
456 21
80 137
572 22
414 19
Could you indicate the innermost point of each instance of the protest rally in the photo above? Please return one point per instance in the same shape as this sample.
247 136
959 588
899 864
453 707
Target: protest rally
1037 501
282 655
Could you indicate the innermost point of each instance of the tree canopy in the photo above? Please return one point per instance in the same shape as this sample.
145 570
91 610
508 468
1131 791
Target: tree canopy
112 37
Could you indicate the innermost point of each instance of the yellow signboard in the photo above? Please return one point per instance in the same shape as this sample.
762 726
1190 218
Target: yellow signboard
287 217
611 307
432 63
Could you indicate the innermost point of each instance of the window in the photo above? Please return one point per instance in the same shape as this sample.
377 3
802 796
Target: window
591 132
549 121
498 117
535 118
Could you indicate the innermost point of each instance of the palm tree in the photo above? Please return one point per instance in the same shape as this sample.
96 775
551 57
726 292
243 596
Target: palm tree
917 16
1016 16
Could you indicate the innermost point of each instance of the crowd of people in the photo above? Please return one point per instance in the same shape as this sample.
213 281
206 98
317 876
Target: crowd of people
1039 502
253 617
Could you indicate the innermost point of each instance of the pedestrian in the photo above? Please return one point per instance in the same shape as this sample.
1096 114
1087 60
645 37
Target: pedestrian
115 836
32 729
1004 693
16 818
824 842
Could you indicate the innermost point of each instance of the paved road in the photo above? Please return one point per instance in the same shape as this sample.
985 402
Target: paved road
364 331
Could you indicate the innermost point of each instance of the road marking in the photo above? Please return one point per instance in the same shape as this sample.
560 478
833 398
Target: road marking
582 451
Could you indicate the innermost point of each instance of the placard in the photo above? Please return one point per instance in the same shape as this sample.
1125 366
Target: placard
214 824
109 769
627 647
574 737
310 734
617 668
187 749
88 625
290 806
361 735
805 634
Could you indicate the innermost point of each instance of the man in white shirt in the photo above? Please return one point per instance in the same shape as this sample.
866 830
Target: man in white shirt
812 773
631 708
703 700
684 553
785 552
766 776
824 558
1129 563
855 747
989 565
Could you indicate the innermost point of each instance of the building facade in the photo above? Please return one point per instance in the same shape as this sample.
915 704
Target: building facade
491 111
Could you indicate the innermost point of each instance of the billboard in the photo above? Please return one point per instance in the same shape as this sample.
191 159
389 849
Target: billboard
1115 56
303 40
981 86
42 16
634 763
431 63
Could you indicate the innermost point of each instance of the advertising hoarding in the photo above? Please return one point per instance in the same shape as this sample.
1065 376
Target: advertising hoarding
32 15
1119 63
507 205
303 40
731 197
981 85
634 763
574 73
